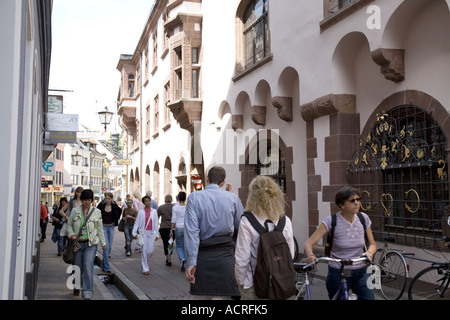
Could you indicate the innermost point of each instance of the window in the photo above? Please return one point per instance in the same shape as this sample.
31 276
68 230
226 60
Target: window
195 76
166 109
155 49
131 85
147 122
256 32
401 170
271 163
195 56
156 115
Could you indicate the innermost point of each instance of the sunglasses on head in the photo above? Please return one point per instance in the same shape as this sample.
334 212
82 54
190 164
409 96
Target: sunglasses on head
354 199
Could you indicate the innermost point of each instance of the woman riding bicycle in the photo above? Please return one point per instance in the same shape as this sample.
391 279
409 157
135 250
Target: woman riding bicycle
348 242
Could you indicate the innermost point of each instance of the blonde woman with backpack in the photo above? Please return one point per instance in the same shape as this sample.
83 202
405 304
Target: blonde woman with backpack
266 201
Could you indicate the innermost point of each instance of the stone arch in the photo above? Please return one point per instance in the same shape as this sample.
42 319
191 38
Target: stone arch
263 98
167 176
288 90
242 106
156 182
401 167
343 63
147 178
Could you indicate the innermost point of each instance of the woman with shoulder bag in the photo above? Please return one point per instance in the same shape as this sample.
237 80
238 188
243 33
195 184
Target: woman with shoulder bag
91 234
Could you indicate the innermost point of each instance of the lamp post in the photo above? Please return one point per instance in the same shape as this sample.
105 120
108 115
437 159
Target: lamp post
76 158
105 116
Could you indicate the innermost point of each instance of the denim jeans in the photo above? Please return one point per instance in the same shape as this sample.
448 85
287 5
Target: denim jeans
109 236
357 282
128 232
85 259
179 238
60 241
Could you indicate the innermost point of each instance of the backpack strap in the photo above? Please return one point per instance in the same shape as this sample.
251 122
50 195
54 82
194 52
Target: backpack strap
254 222
263 229
363 222
331 232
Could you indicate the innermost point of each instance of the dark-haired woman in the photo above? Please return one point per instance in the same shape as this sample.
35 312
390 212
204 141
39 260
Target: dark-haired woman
60 217
146 225
348 243
91 234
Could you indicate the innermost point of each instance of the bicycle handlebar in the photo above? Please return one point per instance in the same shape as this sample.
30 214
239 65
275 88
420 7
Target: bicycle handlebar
343 262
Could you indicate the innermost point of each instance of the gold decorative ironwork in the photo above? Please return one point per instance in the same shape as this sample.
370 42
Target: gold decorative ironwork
393 143
440 171
418 201
390 203
368 208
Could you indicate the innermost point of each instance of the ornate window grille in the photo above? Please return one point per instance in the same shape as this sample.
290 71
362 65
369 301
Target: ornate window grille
273 165
401 170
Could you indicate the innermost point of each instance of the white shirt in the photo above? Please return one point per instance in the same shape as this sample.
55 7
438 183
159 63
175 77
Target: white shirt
178 215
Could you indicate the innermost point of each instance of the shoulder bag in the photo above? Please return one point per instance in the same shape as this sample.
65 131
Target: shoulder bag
72 246
140 237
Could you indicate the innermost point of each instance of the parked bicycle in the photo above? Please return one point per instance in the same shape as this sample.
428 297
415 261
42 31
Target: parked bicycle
393 271
432 282
303 286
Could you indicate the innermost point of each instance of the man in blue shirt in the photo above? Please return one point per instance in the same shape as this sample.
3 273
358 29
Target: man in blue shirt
212 216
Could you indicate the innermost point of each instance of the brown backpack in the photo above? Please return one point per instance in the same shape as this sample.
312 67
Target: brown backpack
274 276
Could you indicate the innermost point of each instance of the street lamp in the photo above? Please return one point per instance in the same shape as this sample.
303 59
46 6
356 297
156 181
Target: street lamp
76 158
105 116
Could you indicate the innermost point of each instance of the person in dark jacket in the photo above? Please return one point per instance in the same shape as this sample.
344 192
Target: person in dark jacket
110 216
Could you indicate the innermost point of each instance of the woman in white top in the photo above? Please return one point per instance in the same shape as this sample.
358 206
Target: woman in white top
266 200
178 212
147 225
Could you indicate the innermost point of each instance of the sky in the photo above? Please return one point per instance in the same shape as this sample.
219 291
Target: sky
88 37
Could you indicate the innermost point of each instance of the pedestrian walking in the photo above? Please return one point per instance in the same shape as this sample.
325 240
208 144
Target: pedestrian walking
138 205
43 222
146 225
212 217
60 217
111 213
129 215
266 201
165 214
91 236
76 201
177 225
153 204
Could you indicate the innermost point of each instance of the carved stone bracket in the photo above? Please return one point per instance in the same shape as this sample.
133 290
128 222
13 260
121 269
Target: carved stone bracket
187 111
328 105
237 122
259 114
392 62
284 106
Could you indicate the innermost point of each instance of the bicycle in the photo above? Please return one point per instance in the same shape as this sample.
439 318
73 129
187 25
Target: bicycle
432 282
303 280
343 292
393 273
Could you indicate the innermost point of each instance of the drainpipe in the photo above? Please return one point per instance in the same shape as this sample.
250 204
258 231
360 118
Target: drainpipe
141 138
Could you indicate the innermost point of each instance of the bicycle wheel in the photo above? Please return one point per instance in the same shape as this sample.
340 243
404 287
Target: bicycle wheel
430 284
393 275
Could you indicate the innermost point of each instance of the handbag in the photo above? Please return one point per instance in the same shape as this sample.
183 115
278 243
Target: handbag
72 246
140 237
121 226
